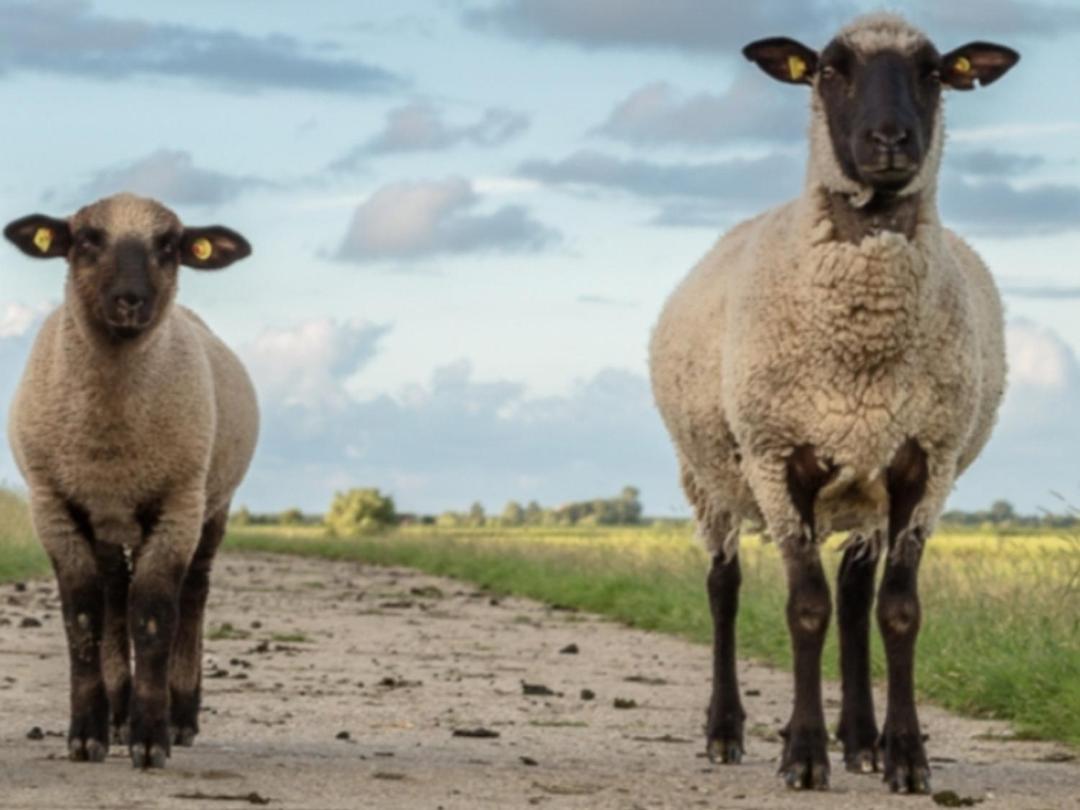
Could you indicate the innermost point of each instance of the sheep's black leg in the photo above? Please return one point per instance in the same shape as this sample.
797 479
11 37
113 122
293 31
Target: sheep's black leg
115 644
805 760
899 617
724 731
858 729
152 619
65 531
185 680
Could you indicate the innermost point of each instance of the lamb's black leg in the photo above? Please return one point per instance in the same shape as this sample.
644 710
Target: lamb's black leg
805 761
724 730
899 617
115 644
185 677
858 729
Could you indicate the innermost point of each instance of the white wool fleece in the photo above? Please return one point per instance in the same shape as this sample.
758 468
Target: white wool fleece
785 335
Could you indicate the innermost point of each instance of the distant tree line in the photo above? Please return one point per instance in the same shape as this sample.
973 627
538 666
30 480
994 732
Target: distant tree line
1002 514
622 510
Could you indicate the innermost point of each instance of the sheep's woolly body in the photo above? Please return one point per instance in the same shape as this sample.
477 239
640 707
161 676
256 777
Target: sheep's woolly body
784 335
174 419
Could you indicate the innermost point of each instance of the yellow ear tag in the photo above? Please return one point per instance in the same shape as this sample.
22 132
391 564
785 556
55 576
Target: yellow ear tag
796 66
202 249
43 239
962 64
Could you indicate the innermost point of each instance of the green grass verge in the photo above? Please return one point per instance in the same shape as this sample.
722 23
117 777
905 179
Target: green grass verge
1001 630
21 555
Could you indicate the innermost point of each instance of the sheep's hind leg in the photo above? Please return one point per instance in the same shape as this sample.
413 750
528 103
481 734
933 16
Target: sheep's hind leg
65 531
805 760
185 678
857 729
116 645
724 730
899 617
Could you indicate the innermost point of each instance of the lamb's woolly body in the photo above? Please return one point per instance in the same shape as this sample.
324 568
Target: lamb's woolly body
171 422
785 335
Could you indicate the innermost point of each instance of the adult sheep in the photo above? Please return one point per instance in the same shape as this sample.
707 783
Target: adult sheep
834 364
133 426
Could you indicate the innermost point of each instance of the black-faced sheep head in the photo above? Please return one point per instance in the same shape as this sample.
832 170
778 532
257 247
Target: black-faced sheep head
123 255
878 84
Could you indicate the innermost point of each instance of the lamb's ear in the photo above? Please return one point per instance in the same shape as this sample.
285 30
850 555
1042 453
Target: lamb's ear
212 248
40 236
784 59
984 62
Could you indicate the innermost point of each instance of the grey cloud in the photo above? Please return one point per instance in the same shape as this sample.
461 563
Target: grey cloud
738 184
992 163
170 176
752 108
68 37
418 220
699 25
708 26
420 127
995 208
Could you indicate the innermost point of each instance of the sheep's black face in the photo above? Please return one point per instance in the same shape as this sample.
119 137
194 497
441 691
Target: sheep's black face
881 110
125 281
124 253
880 88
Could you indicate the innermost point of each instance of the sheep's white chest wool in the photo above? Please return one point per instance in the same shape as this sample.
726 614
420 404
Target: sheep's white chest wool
834 364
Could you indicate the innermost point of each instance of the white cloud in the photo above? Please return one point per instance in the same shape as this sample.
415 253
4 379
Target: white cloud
412 220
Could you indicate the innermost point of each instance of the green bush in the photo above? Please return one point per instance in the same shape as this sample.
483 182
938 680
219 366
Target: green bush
360 511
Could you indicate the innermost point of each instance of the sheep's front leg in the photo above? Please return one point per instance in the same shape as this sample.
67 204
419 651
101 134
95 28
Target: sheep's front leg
115 645
153 618
724 731
858 729
805 761
899 617
65 532
185 679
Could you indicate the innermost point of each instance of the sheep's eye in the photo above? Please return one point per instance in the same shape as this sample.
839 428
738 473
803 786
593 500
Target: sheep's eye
828 72
89 240
167 247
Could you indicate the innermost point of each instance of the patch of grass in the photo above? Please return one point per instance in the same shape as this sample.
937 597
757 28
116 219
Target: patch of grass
21 555
290 638
227 632
1001 614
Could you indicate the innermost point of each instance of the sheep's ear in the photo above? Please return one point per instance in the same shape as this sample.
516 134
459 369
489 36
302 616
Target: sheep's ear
40 236
984 62
212 248
784 59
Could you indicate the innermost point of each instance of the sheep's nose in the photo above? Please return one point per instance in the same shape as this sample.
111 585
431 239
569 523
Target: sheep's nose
888 139
128 301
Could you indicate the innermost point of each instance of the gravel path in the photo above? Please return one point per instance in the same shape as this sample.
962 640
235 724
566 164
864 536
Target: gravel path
332 685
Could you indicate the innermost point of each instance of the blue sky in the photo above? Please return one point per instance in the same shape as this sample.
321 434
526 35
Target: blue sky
467 213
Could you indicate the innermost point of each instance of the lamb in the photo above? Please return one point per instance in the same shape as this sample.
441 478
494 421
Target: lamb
833 365
133 425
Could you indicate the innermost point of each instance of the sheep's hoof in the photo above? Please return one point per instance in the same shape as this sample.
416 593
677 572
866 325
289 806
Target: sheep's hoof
148 756
725 751
863 761
83 750
120 734
906 769
184 736
805 763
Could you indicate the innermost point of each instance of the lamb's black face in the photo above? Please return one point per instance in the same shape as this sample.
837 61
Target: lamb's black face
125 280
881 111
124 253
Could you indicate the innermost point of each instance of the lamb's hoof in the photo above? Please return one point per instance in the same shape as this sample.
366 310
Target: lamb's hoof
87 750
725 751
120 734
863 761
148 756
906 769
184 736
805 763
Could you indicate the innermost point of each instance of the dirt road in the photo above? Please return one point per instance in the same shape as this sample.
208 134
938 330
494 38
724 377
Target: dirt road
331 685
